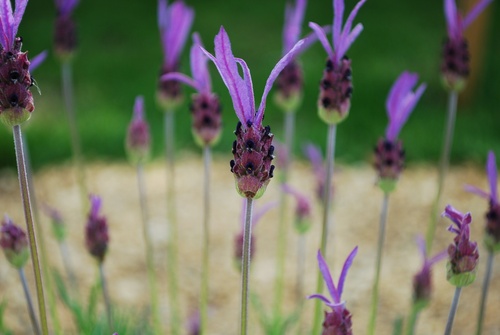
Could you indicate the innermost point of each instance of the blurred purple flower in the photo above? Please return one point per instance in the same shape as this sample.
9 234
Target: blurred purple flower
456 23
463 254
65 38
96 230
302 209
313 153
253 150
492 238
339 320
58 226
138 137
14 243
193 323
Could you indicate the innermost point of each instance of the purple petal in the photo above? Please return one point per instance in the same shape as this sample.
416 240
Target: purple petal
474 13
491 170
139 108
322 38
294 15
182 78
6 23
323 267
65 7
338 17
345 269
314 155
452 19
454 215
199 66
399 89
438 257
95 205
421 246
320 297
272 77
477 191
37 60
247 78
312 38
352 15
18 15
346 42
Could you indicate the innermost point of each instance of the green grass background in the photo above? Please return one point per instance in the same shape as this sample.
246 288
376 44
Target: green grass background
119 57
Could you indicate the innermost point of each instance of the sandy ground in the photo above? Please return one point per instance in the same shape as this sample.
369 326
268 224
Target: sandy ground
356 221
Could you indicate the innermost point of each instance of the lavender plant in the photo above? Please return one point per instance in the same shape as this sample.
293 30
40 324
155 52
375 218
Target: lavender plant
454 72
334 102
389 159
492 231
463 258
252 150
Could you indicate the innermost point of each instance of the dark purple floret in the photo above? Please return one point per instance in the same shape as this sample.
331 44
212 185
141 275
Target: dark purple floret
493 226
96 231
389 159
337 323
65 37
455 66
207 121
169 92
14 242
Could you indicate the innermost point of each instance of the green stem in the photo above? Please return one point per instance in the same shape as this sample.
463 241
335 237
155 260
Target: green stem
378 265
453 311
245 266
412 319
443 167
172 267
34 322
63 248
206 243
67 82
484 292
23 182
146 234
330 160
301 267
105 293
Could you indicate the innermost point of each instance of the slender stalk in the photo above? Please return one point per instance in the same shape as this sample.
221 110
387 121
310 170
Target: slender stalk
413 317
172 247
105 293
443 166
23 182
206 243
330 160
484 292
34 321
301 267
453 311
63 247
67 83
245 266
282 228
146 234
378 264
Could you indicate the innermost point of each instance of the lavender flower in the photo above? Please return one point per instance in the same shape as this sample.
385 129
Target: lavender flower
14 242
138 138
65 39
16 100
455 63
205 107
389 153
58 226
96 230
174 22
422 284
463 254
302 209
253 150
336 86
338 321
313 153
492 237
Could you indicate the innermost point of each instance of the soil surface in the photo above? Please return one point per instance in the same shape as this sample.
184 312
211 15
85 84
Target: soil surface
356 211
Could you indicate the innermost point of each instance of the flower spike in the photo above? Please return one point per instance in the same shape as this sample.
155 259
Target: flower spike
96 230
138 137
65 34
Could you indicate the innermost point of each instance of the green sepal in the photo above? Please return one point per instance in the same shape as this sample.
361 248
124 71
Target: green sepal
331 116
459 279
387 185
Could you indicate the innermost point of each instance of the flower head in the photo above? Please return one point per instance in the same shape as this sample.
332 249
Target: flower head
205 107
455 63
336 86
303 209
65 38
96 230
138 137
463 254
14 242
174 22
339 320
253 150
492 237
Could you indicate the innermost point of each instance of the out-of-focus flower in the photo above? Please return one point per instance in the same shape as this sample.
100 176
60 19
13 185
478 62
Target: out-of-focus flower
96 230
455 61
174 22
253 149
338 321
58 226
336 86
302 209
138 140
14 243
313 153
463 254
389 153
65 39
492 236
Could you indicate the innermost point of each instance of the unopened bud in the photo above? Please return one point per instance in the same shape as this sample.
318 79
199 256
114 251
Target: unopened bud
14 243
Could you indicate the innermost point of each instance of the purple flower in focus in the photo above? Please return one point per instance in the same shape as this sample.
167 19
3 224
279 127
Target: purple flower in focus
389 153
253 150
455 63
336 86
492 237
302 209
463 254
205 108
96 230
65 39
338 321
14 243
9 23
422 283
138 138
174 22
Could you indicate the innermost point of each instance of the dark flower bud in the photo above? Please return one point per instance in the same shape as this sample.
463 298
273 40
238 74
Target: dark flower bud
169 93
289 83
138 140
65 37
455 66
96 231
492 237
207 121
389 162
337 322
14 243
